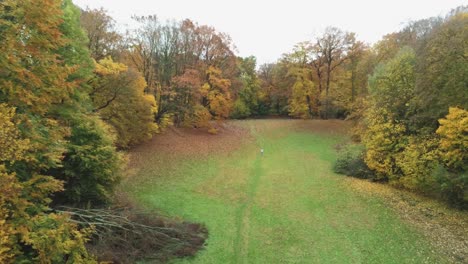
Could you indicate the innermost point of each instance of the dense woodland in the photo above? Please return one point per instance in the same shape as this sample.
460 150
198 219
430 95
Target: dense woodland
75 93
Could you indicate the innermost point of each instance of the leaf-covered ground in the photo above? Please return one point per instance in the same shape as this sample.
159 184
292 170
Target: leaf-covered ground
286 206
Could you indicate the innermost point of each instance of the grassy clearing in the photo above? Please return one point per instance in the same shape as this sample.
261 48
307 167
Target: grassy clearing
284 207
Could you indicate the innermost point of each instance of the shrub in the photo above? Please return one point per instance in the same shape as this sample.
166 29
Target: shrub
452 187
452 178
350 162
240 110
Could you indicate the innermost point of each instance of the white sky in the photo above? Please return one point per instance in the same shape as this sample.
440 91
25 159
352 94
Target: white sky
267 29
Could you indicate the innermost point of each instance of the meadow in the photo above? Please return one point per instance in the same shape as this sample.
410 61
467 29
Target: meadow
285 206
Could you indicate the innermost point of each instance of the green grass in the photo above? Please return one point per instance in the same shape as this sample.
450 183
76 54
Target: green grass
284 207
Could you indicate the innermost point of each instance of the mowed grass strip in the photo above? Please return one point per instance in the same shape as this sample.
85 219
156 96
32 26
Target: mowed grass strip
286 206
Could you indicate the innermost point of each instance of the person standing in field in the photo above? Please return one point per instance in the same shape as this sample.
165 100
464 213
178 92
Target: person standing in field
261 152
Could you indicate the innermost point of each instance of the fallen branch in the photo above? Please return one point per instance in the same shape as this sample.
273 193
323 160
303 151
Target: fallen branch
128 236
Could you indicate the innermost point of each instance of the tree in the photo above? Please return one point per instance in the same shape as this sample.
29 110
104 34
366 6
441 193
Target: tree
247 102
119 99
329 52
356 54
301 103
102 35
43 76
34 78
454 139
453 149
90 164
442 73
216 96
275 87
29 231
391 89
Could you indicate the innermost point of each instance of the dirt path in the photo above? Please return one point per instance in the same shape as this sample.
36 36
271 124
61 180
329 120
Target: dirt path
242 220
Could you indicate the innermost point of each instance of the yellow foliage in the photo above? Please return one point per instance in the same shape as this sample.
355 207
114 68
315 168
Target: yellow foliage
201 117
453 133
213 131
383 139
301 102
417 163
12 148
119 98
216 91
107 66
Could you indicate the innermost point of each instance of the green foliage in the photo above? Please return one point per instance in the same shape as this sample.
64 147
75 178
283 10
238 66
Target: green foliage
452 187
90 168
392 85
75 52
247 102
442 72
350 162
240 109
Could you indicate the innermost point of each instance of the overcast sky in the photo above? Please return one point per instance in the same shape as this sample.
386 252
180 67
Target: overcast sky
267 29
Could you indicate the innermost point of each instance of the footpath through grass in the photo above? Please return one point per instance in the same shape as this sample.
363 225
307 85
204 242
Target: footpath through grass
284 207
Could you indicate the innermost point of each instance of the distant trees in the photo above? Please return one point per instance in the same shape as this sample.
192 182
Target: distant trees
190 70
328 53
249 99
335 64
103 39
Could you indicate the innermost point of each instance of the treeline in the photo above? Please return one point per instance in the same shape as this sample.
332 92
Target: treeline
412 117
189 73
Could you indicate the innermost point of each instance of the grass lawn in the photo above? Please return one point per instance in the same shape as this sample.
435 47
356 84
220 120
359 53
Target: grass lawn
286 206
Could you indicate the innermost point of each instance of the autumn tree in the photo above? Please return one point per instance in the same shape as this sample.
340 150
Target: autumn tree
248 97
391 89
454 139
177 60
442 72
103 38
276 86
29 231
119 99
216 96
301 103
453 145
43 76
329 51
34 79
